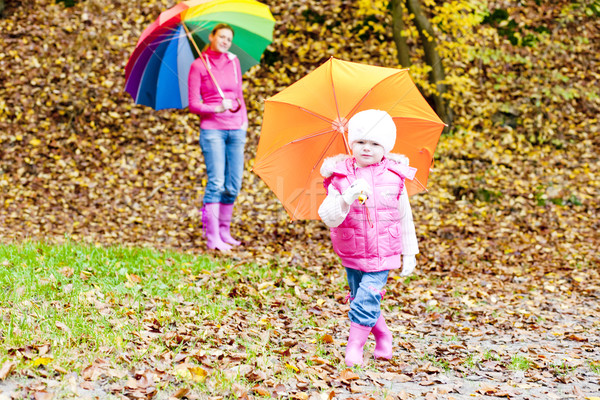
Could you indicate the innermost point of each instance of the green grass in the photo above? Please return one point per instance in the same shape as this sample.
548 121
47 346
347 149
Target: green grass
436 361
64 306
561 369
77 298
470 362
519 363
490 355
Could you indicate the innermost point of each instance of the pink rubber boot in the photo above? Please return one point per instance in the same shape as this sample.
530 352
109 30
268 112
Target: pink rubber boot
225 224
356 341
383 340
210 221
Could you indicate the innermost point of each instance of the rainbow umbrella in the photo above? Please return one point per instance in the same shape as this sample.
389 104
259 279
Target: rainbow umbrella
157 71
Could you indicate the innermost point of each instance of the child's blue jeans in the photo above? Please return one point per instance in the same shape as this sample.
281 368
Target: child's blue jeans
365 292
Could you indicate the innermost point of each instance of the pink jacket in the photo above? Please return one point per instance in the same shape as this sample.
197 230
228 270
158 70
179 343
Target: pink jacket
370 237
204 97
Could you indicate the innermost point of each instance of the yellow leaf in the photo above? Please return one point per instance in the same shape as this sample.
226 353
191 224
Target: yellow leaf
198 374
290 366
42 361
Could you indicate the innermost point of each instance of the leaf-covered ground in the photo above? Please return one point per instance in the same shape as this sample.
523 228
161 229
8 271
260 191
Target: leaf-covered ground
508 230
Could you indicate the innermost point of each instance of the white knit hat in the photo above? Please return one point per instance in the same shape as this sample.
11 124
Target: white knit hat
374 125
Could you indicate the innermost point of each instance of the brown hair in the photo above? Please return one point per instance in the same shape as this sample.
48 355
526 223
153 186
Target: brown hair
222 25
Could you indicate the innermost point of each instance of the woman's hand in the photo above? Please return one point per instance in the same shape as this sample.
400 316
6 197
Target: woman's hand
226 104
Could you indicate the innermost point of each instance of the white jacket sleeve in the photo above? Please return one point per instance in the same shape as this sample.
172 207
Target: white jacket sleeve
331 210
409 235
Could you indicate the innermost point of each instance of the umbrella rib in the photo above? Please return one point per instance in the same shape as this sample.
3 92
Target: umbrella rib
337 108
314 134
177 36
420 184
310 136
315 114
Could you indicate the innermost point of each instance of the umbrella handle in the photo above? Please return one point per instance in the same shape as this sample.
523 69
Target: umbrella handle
238 107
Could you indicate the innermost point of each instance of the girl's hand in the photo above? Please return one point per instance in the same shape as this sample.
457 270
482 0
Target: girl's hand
358 188
409 262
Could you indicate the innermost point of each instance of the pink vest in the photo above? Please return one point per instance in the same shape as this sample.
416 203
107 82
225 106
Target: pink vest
369 239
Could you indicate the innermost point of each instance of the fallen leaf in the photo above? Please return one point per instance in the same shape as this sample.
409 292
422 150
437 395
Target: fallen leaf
41 361
348 375
63 327
180 393
261 391
43 395
6 369
292 367
327 338
198 374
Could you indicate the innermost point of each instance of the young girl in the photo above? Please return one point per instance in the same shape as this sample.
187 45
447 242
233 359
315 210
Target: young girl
371 223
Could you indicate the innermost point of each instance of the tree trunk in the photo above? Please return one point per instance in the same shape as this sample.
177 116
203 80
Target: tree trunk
1 7
432 57
399 39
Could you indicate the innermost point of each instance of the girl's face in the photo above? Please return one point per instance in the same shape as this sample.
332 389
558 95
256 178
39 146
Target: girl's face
367 152
220 41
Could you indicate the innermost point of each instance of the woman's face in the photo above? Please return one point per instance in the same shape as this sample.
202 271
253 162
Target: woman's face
220 41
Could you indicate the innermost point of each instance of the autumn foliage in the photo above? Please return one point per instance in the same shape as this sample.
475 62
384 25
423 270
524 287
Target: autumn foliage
518 170
511 216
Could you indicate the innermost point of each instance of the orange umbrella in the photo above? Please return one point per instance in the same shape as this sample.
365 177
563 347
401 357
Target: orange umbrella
307 122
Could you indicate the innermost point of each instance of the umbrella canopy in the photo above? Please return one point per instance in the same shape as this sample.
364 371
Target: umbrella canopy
307 122
157 71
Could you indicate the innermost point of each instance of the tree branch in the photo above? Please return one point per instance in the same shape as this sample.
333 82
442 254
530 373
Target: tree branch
432 58
399 38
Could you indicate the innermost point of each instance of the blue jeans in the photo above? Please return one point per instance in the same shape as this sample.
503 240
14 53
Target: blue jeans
224 158
365 292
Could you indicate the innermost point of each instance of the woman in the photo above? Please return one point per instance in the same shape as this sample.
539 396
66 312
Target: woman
215 94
